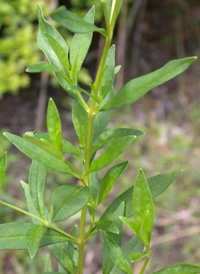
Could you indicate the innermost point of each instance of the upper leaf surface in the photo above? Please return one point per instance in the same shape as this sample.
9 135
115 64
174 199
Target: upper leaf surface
33 239
2 167
68 200
40 67
111 153
180 269
38 154
138 87
73 22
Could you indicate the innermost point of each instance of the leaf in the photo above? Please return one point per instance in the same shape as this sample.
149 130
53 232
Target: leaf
117 69
107 225
143 207
94 186
60 252
48 266
109 75
2 167
111 153
109 180
81 43
66 145
38 154
107 138
130 224
138 87
54 125
40 67
37 182
68 200
33 239
116 254
52 44
73 248
79 119
136 256
13 235
157 185
180 269
73 22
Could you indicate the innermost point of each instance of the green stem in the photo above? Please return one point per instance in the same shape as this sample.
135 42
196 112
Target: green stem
145 265
74 168
82 240
41 220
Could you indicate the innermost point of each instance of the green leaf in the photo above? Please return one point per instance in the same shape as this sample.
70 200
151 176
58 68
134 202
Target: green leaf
52 44
94 186
54 125
111 153
143 207
29 201
38 154
180 269
40 67
130 224
116 254
68 200
81 43
13 235
157 185
60 252
73 248
110 136
33 239
79 119
117 69
66 145
2 167
136 256
107 225
109 75
138 87
109 180
73 22
48 266
37 182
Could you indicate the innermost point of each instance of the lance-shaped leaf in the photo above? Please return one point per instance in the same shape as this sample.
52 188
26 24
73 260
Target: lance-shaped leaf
33 239
110 136
73 248
109 75
68 200
81 43
79 119
94 186
109 180
116 254
180 269
37 182
2 167
60 252
111 153
107 225
48 264
138 87
52 44
38 154
157 185
66 145
54 125
40 67
73 22
136 256
13 235
143 207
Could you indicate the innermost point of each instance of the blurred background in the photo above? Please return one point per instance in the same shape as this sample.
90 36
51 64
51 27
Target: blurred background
149 33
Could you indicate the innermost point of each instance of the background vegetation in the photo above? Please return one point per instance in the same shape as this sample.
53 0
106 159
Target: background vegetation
149 34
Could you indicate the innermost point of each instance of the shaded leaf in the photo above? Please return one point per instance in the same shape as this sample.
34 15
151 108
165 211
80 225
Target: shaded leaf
136 256
116 254
73 248
37 182
109 180
107 225
38 154
111 153
93 185
73 22
2 167
68 200
33 239
48 266
180 269
138 87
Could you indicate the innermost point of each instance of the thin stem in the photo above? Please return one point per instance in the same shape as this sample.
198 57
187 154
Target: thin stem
145 265
91 226
82 240
74 168
41 220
